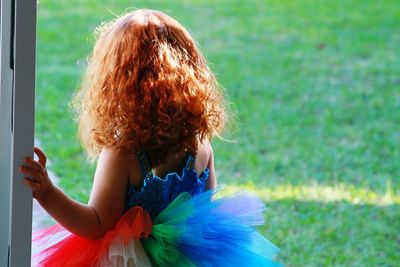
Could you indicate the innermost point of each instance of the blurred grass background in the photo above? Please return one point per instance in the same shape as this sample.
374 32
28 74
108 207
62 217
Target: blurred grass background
315 86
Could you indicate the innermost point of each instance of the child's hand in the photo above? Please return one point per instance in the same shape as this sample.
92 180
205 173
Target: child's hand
36 175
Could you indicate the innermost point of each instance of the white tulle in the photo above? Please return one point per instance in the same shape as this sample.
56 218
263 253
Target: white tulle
131 254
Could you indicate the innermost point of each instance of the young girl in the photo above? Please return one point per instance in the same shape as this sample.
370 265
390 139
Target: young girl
148 107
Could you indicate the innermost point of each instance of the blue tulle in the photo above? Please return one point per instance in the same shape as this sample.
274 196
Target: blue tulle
218 232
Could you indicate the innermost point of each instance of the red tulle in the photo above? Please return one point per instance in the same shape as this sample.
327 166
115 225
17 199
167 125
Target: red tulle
75 251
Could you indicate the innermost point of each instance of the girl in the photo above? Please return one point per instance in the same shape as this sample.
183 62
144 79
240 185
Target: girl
148 107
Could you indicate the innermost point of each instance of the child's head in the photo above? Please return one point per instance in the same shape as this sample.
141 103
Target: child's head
147 86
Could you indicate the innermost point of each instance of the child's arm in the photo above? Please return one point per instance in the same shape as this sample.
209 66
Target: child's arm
106 201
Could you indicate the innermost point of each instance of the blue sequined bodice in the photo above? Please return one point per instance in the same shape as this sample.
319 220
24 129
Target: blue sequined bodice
157 193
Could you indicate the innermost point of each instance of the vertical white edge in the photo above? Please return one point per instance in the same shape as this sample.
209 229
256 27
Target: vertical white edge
6 76
23 134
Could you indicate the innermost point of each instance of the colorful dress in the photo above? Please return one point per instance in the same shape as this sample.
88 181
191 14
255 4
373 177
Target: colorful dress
170 221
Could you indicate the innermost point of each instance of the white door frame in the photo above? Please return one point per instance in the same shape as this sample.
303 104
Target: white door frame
17 109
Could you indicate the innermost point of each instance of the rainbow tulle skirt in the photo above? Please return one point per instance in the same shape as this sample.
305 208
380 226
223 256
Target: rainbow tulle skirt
191 231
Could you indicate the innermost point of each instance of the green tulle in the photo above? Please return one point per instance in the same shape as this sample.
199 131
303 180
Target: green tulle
168 226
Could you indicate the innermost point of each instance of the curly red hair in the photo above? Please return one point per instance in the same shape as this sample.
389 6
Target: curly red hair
147 86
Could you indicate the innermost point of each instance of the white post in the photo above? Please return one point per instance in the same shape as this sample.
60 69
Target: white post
17 98
6 89
6 76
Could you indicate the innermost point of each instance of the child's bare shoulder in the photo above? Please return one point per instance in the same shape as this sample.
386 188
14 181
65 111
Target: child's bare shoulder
111 161
204 154
115 156
122 161
205 148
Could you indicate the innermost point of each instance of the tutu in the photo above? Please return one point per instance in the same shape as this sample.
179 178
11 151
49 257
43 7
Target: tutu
190 231
170 221
57 247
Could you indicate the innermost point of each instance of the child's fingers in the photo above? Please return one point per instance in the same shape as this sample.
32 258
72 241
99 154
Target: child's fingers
36 175
31 184
41 156
33 164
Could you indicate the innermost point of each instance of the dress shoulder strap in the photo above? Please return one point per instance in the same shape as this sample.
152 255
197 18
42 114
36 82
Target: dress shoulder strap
144 162
191 158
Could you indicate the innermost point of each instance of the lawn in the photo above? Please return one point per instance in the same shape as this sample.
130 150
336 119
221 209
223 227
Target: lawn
315 91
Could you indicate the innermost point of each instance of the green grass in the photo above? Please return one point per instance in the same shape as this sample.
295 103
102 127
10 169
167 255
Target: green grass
315 89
